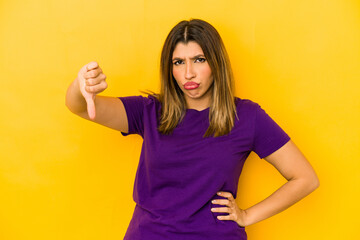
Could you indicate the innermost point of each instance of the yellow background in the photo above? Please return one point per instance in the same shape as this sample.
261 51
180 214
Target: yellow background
62 177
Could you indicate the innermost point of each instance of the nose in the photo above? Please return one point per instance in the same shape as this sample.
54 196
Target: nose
189 71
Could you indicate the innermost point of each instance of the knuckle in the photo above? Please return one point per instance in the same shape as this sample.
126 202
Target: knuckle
92 82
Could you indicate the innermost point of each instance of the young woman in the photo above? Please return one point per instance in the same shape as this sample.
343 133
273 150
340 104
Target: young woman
196 138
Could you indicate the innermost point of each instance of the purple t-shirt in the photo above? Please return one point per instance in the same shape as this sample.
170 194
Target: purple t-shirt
179 174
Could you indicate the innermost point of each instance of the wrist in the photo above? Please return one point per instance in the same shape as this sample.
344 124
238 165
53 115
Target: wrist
249 217
243 220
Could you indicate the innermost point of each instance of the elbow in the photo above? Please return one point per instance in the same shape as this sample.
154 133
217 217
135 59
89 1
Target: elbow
308 183
312 180
67 101
313 183
68 105
316 183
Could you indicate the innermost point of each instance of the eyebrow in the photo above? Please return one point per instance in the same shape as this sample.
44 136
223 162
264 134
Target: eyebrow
195 57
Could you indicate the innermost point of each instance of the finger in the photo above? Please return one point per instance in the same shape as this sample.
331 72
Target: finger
227 195
96 88
90 107
225 217
221 209
92 73
222 202
92 65
94 81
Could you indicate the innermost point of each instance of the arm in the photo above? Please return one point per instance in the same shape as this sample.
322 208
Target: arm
302 180
82 99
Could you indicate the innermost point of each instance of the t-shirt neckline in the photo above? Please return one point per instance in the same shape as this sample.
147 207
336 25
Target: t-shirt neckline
195 110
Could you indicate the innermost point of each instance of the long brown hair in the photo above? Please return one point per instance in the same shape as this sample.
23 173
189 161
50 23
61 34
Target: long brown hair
222 108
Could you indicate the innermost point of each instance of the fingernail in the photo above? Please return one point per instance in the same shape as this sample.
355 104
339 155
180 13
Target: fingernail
213 201
219 193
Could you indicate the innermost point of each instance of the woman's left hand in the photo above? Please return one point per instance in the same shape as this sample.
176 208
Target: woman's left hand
235 213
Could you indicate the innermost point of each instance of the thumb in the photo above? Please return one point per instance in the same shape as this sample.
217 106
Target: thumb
90 106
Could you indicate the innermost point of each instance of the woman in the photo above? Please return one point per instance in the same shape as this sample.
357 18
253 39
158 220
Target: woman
197 136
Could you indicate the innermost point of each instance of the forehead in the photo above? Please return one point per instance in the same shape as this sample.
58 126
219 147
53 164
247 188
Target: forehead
189 49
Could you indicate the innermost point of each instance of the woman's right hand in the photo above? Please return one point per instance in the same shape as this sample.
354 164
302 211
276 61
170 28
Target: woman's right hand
91 81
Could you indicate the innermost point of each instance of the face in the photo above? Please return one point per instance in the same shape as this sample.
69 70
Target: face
192 74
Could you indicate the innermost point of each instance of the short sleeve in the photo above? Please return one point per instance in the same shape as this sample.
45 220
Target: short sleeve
268 135
134 107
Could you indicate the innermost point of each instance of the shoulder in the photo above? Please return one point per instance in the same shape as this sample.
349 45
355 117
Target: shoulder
140 99
150 103
246 105
140 103
152 100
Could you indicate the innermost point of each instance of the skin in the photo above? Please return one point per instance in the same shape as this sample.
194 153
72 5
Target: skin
302 180
82 99
190 64
86 84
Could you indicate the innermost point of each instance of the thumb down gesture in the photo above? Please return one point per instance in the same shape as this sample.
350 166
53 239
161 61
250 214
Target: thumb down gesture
91 82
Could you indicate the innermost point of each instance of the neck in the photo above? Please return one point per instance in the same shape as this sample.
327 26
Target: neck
198 104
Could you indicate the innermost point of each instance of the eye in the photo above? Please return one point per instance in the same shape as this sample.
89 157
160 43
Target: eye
201 60
177 62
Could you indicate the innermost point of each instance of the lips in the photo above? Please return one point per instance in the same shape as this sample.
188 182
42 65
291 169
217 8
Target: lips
191 85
